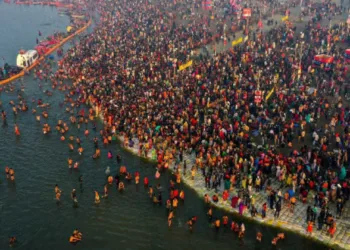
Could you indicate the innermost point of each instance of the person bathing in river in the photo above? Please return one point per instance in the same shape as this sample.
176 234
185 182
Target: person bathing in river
12 174
108 171
97 198
7 171
210 214
155 199
241 231
4 120
109 154
73 239
77 234
170 218
259 236
128 177
191 223
17 132
217 224
70 162
137 178
150 191
57 189
12 241
121 186
105 189
3 115
160 199
58 196
74 197
76 165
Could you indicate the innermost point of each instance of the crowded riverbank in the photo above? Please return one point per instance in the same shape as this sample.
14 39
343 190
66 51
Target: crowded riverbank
179 116
289 216
298 224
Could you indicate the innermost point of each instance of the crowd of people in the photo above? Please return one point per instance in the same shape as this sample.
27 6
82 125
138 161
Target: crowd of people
127 71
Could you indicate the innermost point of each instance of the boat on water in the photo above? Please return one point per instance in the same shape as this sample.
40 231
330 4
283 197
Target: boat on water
27 60
9 70
45 46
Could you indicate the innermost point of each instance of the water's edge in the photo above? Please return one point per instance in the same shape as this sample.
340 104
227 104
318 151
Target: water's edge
199 189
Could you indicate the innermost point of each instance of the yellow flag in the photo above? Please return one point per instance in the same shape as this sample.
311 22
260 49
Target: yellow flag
285 18
269 94
186 65
237 41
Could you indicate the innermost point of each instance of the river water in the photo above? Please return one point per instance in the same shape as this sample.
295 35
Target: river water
123 221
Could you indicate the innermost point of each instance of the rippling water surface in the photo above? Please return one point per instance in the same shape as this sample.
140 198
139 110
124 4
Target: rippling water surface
123 221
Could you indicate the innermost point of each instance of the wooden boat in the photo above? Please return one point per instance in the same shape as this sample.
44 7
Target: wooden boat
41 58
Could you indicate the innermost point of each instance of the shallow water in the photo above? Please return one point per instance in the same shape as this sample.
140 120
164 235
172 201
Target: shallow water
123 221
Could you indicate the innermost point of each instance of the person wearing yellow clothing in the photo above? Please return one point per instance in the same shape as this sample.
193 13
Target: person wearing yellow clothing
75 237
175 203
97 198
217 223
292 204
170 217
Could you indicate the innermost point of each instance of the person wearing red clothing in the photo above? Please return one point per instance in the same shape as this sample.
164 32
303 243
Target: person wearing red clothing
264 209
145 181
309 227
332 229
311 184
225 195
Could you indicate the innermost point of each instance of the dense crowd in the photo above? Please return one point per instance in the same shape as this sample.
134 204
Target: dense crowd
127 69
